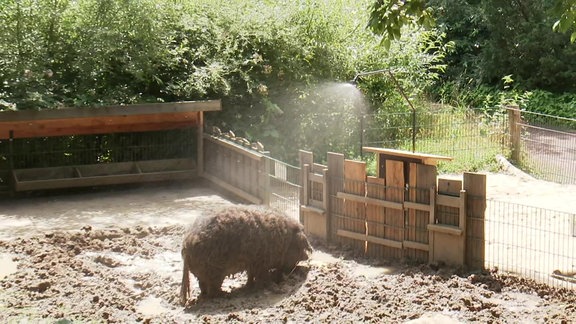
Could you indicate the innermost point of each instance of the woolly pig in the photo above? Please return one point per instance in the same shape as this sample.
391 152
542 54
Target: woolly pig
240 238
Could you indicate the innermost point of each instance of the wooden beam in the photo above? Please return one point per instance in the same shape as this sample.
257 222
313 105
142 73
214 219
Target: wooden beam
371 239
416 245
371 201
109 111
427 159
448 229
98 125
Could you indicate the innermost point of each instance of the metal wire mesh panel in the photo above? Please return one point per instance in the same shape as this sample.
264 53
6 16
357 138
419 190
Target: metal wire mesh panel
284 187
533 242
93 149
549 147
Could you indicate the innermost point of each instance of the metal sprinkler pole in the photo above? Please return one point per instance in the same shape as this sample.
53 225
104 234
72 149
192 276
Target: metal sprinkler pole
399 87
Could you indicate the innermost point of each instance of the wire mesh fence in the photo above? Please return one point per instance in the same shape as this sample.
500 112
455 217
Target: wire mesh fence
284 187
471 135
24 153
548 147
533 242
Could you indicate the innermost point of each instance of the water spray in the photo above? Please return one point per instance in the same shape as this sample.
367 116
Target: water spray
402 92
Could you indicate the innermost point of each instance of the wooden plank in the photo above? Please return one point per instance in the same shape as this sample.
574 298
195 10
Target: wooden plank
306 159
425 194
312 209
335 183
462 211
448 201
417 206
475 186
103 180
416 246
68 131
106 111
97 125
447 229
316 177
200 144
450 187
395 186
368 200
314 223
447 210
234 190
411 226
375 218
427 159
367 238
355 212
234 147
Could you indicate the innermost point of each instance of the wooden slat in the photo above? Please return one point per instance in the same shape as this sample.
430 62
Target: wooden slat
475 186
425 194
109 111
449 201
335 184
237 148
448 229
355 212
417 206
240 193
316 177
395 185
416 246
427 159
368 200
98 125
103 180
312 210
375 214
371 239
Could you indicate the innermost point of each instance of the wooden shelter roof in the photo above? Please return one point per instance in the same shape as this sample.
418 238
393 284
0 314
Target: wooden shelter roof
107 119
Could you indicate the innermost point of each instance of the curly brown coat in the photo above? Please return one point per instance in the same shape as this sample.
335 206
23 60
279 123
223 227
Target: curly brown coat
240 238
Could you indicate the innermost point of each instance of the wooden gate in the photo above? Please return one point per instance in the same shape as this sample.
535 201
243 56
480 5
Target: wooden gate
401 213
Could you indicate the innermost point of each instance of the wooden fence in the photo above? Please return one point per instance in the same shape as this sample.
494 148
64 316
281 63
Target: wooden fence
405 212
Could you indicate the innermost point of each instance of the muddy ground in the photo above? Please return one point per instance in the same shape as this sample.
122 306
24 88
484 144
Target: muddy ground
114 257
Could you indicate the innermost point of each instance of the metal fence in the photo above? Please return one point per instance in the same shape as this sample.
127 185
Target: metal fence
285 185
471 136
533 242
548 147
61 151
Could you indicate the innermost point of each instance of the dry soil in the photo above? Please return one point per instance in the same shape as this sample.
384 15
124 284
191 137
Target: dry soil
114 256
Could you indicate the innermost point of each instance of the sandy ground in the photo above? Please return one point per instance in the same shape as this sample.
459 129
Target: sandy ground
113 256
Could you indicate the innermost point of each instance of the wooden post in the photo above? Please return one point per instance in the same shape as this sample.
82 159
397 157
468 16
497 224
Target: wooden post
326 203
12 182
514 119
264 176
475 186
335 183
200 145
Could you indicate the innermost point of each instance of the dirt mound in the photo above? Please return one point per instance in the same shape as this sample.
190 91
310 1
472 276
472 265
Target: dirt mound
133 274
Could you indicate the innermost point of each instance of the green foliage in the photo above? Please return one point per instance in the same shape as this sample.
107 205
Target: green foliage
276 65
389 17
543 102
566 10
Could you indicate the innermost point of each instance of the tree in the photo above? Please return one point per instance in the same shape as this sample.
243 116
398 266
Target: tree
492 39
388 17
